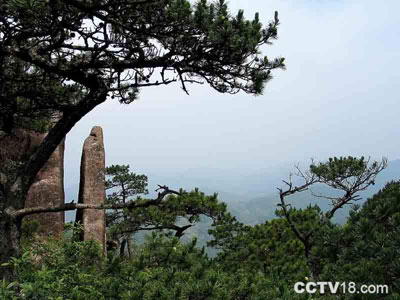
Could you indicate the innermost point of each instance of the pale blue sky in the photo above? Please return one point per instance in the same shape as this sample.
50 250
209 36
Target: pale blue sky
338 96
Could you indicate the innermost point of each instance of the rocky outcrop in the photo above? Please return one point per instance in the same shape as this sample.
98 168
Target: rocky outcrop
91 188
48 190
48 187
17 147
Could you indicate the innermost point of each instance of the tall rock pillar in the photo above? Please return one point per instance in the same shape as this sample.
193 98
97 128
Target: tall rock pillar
92 187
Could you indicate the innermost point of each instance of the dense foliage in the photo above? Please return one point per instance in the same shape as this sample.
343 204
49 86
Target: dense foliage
254 262
368 244
163 268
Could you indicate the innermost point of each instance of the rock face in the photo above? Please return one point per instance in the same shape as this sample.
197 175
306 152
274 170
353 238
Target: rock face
48 191
48 187
91 188
15 147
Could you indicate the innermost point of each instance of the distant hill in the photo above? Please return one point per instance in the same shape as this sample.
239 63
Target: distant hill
256 210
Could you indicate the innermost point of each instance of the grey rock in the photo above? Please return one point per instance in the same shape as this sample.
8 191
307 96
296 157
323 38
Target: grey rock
92 188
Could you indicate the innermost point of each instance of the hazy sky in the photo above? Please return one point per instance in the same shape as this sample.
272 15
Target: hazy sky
338 96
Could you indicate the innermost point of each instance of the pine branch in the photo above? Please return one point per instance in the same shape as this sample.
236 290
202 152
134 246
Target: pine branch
72 206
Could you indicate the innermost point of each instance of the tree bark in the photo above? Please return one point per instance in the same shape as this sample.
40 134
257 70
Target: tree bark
9 244
128 245
122 249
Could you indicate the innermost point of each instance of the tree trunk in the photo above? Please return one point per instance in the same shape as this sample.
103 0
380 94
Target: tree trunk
122 249
9 244
128 245
10 226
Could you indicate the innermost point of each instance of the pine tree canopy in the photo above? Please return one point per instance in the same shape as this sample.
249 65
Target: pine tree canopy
123 45
69 56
